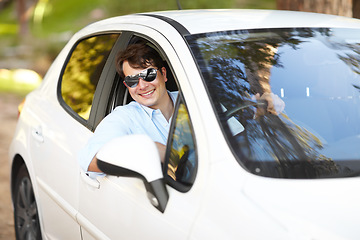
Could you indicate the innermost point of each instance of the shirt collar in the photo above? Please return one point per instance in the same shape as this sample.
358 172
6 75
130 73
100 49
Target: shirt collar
149 111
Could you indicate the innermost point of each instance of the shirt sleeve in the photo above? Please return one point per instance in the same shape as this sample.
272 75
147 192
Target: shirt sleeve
114 125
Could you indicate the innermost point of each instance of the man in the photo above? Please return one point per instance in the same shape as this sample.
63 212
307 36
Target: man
144 75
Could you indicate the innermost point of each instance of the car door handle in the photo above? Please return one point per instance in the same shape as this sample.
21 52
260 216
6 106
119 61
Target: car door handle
37 134
89 181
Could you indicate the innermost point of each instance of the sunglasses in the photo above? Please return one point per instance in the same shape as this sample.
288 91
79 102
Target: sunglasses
148 75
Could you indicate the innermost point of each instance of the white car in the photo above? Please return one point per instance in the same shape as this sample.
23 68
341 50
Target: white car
264 141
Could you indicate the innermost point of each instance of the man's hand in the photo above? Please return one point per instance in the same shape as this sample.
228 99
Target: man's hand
93 167
162 151
274 104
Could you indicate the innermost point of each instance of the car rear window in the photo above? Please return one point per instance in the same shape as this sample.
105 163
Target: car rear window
82 72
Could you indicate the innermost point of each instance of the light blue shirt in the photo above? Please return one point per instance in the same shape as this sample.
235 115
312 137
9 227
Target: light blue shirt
132 118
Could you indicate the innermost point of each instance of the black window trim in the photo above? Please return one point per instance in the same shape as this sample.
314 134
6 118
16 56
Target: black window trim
168 180
108 78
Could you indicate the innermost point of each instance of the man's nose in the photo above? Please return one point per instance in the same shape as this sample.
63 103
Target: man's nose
142 83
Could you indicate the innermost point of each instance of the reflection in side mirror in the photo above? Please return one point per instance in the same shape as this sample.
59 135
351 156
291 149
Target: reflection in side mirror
136 156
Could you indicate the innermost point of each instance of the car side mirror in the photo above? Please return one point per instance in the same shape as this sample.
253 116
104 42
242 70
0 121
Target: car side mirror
136 156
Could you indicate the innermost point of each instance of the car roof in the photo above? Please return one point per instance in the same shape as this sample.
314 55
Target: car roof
213 20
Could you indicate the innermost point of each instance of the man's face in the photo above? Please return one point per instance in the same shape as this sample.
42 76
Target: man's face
151 94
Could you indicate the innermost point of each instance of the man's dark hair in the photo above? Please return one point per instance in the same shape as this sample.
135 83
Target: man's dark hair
139 55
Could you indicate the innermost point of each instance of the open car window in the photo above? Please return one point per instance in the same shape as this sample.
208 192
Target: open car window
120 95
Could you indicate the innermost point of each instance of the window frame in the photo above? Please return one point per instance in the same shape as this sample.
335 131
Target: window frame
109 87
109 82
101 87
168 180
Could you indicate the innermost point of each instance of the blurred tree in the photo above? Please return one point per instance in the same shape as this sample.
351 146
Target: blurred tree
348 8
4 4
24 9
356 8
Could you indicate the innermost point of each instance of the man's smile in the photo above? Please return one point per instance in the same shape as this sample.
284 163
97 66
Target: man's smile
147 93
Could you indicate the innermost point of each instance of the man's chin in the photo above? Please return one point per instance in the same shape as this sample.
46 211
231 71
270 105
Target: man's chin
145 102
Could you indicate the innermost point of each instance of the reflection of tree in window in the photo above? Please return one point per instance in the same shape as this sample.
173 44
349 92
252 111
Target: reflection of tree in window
182 156
83 71
352 58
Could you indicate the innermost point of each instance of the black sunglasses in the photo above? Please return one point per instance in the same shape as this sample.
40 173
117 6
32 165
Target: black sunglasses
148 75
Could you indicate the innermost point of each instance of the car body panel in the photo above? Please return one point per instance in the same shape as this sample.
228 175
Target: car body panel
53 171
223 20
321 209
213 20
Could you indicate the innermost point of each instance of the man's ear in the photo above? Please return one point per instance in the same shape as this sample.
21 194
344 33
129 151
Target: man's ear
163 72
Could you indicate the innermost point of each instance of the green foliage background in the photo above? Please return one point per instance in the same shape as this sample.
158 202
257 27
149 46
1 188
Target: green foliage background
71 15
60 19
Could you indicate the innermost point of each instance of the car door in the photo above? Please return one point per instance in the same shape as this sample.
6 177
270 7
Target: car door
118 207
60 127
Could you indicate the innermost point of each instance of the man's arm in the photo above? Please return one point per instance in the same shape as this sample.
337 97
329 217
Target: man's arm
93 167
162 150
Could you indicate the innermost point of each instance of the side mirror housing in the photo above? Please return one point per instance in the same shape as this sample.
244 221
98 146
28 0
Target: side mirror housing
136 156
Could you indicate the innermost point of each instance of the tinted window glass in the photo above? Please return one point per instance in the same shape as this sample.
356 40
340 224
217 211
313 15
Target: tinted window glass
182 165
83 71
287 99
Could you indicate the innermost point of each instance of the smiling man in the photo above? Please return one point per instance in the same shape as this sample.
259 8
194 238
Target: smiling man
143 73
